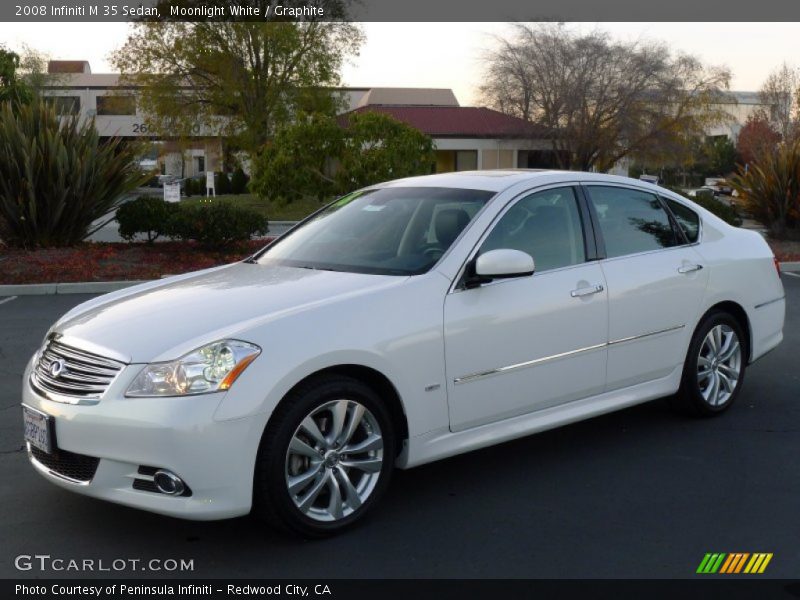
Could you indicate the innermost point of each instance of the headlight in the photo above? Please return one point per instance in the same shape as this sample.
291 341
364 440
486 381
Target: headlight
212 368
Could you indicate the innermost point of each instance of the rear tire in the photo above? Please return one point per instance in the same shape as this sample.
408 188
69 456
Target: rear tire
715 366
325 459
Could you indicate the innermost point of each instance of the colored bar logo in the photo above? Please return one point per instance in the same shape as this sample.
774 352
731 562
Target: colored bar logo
733 563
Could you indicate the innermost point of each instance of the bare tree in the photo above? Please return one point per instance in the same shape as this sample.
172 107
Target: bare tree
779 94
602 99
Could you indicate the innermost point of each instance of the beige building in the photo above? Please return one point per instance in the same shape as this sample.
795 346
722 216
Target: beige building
465 137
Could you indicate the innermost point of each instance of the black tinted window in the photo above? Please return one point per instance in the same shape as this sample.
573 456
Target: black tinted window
546 225
390 231
631 221
687 219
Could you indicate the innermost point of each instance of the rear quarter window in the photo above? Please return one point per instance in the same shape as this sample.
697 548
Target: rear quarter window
688 220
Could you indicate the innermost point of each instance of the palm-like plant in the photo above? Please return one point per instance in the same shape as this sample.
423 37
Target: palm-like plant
57 176
770 188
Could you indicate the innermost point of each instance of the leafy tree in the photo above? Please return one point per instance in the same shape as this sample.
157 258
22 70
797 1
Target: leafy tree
720 155
378 147
604 99
12 88
57 177
319 157
238 79
297 161
756 138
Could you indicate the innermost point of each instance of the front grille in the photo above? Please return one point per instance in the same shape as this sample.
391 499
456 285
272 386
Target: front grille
78 374
77 467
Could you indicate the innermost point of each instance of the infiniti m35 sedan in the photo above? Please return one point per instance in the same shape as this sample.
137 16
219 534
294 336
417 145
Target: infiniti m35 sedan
403 323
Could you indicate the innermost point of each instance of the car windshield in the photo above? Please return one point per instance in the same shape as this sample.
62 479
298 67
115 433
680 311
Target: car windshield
387 231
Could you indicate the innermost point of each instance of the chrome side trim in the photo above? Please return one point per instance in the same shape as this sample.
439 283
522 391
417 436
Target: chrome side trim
46 471
763 304
644 335
536 361
528 363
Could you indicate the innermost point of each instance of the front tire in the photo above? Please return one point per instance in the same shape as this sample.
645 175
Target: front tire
715 366
325 459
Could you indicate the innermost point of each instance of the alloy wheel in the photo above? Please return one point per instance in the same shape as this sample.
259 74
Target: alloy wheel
719 365
334 460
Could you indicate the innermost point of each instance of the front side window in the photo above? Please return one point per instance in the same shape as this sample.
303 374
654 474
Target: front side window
388 231
687 219
546 225
631 221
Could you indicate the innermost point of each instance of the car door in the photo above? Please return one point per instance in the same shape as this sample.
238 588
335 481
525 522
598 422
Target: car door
514 346
656 282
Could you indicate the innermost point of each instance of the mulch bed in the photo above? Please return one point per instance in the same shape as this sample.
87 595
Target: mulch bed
785 250
113 261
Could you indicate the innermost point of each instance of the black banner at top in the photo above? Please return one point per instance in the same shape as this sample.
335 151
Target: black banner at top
400 10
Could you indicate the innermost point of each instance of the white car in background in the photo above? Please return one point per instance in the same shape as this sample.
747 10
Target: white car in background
404 323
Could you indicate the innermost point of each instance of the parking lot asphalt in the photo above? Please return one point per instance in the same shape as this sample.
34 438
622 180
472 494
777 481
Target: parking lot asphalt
638 493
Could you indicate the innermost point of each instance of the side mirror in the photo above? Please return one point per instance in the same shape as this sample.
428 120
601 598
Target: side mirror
499 264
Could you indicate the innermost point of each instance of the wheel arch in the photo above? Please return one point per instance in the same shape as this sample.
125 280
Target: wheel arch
740 314
376 380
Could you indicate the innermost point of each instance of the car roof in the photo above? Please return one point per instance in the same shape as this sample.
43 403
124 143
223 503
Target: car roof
501 179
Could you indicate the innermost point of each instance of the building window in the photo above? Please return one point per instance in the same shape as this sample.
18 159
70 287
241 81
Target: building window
116 105
65 105
466 160
201 163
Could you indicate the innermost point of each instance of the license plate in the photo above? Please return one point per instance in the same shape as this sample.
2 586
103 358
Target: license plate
37 429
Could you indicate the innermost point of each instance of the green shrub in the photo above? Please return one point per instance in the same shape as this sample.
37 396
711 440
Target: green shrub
222 184
217 224
57 177
724 211
770 189
239 181
148 215
706 199
189 187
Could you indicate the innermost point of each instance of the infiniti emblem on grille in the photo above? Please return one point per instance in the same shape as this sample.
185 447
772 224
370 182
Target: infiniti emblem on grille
56 367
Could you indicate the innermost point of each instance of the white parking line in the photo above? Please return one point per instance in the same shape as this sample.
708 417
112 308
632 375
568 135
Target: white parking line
9 299
792 274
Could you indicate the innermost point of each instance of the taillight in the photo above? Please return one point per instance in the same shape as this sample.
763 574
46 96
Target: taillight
777 265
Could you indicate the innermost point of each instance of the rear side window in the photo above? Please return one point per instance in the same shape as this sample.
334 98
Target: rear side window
631 221
686 218
546 225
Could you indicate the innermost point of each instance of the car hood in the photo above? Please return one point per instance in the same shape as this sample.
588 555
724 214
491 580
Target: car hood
164 320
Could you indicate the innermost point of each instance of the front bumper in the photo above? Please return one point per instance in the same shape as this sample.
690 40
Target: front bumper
215 458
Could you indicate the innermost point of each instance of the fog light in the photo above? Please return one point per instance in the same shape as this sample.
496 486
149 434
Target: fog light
168 483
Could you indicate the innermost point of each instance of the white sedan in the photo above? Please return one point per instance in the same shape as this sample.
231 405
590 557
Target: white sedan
401 324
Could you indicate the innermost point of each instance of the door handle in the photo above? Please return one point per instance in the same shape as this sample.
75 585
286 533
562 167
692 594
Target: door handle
587 291
689 269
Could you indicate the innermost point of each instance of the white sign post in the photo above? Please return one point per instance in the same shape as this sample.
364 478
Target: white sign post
172 192
211 189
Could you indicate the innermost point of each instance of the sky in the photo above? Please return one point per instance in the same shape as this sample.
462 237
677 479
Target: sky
448 55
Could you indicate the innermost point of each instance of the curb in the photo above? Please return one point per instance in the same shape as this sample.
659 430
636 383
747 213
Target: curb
103 287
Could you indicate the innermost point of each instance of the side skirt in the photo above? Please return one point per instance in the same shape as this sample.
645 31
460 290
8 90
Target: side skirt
442 443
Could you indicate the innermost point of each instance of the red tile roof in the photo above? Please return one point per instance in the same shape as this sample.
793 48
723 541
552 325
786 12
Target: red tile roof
456 121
